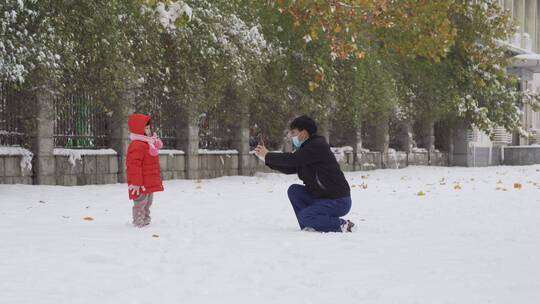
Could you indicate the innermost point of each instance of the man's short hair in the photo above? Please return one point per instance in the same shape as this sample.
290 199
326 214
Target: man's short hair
304 123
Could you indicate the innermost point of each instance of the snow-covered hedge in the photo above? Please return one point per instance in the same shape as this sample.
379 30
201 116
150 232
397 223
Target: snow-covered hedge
25 40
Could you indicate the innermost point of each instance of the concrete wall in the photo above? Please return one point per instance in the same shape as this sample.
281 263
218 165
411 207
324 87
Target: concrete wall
104 169
11 171
521 155
216 165
87 170
439 159
481 156
396 159
172 165
366 161
257 165
418 158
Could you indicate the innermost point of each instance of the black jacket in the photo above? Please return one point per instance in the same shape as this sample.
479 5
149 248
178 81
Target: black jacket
316 166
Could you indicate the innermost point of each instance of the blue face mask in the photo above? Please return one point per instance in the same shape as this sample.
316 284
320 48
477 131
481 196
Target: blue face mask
296 142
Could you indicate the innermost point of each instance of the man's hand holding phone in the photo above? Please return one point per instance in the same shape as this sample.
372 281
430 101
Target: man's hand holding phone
261 150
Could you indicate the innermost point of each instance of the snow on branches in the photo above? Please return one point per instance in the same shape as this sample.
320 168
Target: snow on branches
25 36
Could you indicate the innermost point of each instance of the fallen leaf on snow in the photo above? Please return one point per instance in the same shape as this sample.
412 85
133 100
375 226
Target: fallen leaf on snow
88 218
517 186
155 235
421 193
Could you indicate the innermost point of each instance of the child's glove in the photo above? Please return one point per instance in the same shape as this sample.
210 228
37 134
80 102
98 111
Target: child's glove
136 190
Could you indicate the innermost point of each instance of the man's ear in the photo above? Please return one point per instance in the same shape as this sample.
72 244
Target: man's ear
305 135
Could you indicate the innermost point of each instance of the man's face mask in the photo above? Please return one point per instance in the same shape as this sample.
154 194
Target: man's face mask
296 140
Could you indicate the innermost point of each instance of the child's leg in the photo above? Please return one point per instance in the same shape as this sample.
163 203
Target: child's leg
147 218
139 212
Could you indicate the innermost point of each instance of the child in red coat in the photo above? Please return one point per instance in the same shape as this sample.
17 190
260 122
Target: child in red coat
142 167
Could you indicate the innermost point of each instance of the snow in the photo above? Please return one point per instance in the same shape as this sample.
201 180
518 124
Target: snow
235 240
76 154
522 147
171 152
168 16
26 156
340 152
205 151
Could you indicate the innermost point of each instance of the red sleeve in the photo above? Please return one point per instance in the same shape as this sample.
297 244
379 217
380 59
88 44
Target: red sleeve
135 156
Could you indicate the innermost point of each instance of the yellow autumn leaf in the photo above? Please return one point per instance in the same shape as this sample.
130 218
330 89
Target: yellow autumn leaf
421 193
314 34
517 186
312 86
457 187
360 55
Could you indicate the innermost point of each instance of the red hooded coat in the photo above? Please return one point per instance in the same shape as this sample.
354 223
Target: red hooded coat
142 168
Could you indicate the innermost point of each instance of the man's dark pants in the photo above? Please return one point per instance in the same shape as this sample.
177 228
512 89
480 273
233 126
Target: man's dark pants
320 214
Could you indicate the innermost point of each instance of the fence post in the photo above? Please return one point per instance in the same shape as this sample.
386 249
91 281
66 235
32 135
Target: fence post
120 132
43 144
357 145
405 136
241 141
382 138
188 141
428 137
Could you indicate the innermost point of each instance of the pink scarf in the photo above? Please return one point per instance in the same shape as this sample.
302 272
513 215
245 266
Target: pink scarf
154 142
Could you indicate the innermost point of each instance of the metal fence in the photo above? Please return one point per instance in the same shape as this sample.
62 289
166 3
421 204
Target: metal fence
80 122
15 111
214 135
164 113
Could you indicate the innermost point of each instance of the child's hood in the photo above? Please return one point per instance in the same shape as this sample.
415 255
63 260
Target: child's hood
137 123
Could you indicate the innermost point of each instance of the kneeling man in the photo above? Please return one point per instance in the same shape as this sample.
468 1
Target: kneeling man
325 196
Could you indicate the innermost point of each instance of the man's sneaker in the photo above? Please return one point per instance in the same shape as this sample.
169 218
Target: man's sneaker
348 226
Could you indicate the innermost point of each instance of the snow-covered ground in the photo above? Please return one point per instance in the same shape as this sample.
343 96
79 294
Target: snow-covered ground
426 235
